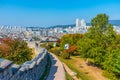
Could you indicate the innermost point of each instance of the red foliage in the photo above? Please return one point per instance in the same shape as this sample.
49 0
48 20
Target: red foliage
5 45
4 48
58 40
72 49
7 41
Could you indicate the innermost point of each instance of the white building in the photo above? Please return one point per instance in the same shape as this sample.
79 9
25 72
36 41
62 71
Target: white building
78 23
80 26
83 23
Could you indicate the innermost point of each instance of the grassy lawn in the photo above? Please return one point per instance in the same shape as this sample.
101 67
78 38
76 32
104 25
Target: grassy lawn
71 64
84 72
68 77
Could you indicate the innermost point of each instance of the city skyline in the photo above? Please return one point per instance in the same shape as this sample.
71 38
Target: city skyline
48 13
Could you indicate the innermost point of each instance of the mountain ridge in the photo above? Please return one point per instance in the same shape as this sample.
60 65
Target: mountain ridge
113 22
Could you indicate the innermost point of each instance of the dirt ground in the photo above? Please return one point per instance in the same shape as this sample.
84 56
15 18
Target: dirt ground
92 72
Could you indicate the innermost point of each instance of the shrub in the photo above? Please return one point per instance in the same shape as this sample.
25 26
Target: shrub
64 55
57 52
110 75
58 44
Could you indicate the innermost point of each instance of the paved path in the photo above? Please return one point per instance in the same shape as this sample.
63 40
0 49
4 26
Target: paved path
57 71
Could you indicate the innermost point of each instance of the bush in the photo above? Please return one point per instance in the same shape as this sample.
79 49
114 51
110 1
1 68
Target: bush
90 62
57 44
110 75
64 55
43 45
57 52
48 47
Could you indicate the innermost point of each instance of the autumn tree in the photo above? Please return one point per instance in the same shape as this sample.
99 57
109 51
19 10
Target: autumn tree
72 40
15 50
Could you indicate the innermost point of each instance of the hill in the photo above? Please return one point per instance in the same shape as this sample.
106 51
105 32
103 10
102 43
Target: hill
114 22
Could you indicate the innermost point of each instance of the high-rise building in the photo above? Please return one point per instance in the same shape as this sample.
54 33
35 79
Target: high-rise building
83 23
80 26
78 23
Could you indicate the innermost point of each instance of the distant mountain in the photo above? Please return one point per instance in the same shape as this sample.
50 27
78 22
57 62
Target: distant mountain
64 26
113 22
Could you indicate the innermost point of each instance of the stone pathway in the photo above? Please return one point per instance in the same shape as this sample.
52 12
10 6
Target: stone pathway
57 71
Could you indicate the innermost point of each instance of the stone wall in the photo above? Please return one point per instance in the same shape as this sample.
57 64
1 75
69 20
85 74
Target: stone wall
30 70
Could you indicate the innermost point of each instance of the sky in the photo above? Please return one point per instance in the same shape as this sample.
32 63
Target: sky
45 13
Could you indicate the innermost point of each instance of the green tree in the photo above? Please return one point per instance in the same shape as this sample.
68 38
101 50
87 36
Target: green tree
112 63
70 39
100 22
101 45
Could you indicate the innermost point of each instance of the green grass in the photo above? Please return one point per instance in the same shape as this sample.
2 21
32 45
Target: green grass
47 69
70 64
68 77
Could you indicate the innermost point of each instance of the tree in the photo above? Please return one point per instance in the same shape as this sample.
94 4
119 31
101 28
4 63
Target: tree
15 50
71 50
70 39
101 45
112 63
100 22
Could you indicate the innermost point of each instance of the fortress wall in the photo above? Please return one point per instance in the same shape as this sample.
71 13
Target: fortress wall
30 70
